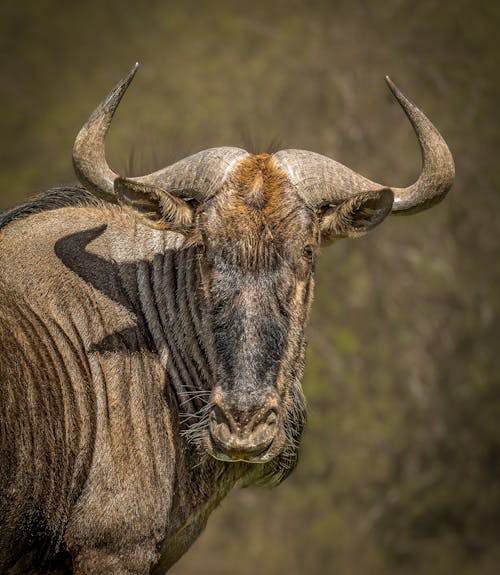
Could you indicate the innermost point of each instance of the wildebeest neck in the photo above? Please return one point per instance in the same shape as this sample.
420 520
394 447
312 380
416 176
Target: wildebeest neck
160 294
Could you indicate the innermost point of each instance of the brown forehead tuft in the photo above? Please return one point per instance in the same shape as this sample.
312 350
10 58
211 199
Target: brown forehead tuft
259 181
257 212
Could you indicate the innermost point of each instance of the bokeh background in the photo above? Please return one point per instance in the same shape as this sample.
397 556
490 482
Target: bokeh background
400 464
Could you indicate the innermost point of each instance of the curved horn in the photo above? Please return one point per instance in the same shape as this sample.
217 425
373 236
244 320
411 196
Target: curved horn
195 177
89 156
320 180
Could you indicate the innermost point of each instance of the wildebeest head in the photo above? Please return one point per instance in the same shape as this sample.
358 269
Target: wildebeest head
256 222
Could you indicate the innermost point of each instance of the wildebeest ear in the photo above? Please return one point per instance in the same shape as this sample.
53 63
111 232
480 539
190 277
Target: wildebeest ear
155 206
357 215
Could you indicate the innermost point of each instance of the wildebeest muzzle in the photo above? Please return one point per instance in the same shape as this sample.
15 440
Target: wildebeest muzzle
246 428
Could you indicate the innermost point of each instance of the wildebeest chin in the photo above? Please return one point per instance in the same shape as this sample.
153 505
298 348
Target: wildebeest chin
153 340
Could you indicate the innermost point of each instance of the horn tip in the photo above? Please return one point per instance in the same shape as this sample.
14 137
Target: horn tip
402 99
132 72
391 84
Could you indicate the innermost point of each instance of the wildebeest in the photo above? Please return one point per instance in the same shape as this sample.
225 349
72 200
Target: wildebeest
152 335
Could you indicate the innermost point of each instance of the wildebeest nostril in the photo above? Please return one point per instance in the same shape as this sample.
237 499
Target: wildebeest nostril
263 422
271 418
263 429
220 426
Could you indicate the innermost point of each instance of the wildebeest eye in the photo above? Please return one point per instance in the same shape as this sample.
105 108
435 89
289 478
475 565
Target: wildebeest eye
308 253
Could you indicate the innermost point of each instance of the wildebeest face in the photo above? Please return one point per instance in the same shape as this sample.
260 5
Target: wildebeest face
256 239
257 245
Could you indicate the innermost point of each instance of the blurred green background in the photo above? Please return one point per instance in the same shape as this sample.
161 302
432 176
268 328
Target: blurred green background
400 463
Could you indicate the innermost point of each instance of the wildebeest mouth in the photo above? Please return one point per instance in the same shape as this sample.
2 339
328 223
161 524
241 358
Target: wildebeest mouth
267 454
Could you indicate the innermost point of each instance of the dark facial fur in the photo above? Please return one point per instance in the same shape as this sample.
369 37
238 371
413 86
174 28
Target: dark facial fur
256 244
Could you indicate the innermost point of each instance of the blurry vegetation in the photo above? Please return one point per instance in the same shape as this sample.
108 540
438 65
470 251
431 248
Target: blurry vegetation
400 465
